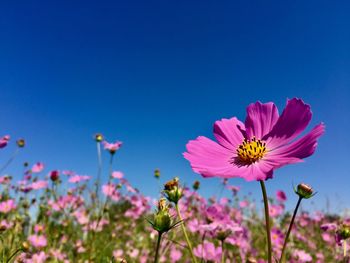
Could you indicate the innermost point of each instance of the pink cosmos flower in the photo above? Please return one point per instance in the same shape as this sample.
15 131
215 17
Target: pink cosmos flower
7 206
281 196
302 256
39 257
112 147
275 210
208 251
117 175
4 140
37 241
175 255
37 168
39 185
78 178
252 150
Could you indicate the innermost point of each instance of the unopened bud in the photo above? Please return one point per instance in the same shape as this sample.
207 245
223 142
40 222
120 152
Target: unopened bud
304 191
98 137
54 175
173 191
25 246
196 185
21 143
344 232
157 173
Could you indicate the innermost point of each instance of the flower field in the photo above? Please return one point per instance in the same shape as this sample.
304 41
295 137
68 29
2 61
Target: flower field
63 216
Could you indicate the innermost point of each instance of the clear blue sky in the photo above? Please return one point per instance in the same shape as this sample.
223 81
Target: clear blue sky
155 74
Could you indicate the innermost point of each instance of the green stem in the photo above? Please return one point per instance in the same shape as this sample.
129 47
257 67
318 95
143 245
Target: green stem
99 171
222 251
14 253
344 248
157 248
185 233
267 221
9 161
283 255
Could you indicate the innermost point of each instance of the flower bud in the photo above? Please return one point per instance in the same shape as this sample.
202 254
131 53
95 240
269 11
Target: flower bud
98 137
157 173
25 246
343 232
304 191
54 175
20 143
173 192
196 185
161 219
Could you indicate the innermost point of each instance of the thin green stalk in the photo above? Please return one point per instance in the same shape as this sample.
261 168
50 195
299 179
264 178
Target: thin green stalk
99 170
9 161
283 255
344 248
157 248
185 234
14 253
222 251
267 221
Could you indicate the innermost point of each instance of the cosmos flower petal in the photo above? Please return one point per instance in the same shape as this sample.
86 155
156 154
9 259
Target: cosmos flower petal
260 119
210 159
229 132
301 148
293 120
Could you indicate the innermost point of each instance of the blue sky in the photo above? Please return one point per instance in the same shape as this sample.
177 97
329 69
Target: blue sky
155 74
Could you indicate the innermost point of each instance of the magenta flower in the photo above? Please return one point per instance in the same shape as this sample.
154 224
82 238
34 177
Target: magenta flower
37 241
208 251
117 175
41 184
7 206
78 178
112 147
254 149
281 196
4 140
37 168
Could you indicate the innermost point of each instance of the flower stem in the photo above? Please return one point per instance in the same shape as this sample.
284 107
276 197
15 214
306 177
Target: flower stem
9 161
344 248
13 254
157 248
222 251
283 255
267 221
185 233
99 170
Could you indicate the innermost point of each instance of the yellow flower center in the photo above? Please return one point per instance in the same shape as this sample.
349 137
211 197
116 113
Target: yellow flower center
251 151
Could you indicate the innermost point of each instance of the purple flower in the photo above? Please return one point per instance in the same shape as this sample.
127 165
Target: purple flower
266 141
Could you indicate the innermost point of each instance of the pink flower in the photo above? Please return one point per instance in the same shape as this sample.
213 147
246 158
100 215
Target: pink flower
37 241
39 257
208 251
112 147
37 168
281 196
254 149
4 140
117 175
7 206
39 185
175 255
302 256
275 210
78 178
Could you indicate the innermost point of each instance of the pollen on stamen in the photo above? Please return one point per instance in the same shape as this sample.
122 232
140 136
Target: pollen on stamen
251 151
